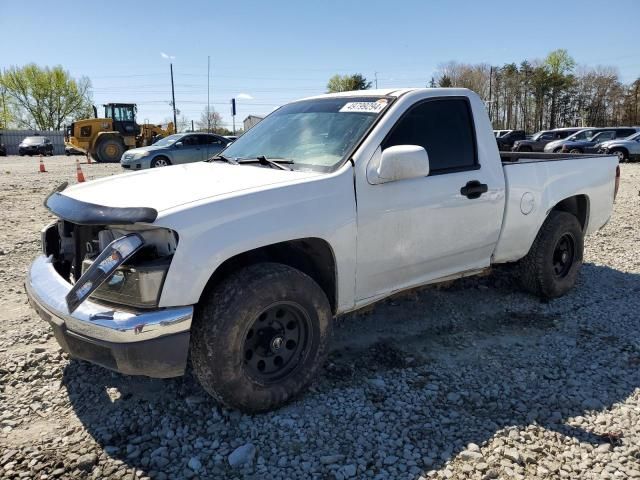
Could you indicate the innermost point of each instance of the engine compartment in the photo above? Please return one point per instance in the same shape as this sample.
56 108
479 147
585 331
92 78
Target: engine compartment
136 283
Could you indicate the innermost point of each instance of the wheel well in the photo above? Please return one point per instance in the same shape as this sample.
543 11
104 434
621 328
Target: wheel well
578 206
313 256
620 149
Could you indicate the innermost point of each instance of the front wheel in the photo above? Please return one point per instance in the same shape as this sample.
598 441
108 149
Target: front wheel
621 154
110 150
551 267
575 150
261 336
160 162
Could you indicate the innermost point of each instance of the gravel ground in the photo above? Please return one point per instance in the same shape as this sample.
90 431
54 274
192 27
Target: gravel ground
469 380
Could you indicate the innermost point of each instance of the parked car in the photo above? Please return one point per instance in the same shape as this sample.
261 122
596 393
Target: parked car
327 205
499 133
3 148
590 145
505 142
231 138
627 149
583 134
35 146
173 150
538 141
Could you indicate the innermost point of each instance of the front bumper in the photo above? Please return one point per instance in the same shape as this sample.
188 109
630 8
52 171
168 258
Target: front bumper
154 343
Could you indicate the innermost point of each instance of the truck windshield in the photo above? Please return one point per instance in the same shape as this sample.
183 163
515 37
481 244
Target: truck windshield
314 134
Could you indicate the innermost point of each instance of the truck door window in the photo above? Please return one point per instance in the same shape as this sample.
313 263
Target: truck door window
444 127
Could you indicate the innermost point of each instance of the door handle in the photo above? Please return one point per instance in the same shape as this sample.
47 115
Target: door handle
473 189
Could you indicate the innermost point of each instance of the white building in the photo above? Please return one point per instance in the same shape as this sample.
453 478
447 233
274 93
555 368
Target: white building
251 121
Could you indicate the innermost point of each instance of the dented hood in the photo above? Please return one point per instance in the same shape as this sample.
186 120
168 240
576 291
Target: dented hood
169 187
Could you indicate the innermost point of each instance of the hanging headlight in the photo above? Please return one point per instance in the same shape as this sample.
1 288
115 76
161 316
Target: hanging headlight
116 253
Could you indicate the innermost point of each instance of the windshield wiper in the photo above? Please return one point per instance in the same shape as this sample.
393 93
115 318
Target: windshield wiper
223 158
262 160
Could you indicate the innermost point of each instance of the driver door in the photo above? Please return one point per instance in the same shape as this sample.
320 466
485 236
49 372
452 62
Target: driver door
190 150
415 230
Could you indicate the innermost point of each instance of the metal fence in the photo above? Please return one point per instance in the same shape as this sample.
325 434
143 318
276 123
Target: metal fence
12 138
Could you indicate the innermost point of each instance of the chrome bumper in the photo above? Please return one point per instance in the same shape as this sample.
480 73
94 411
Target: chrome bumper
152 342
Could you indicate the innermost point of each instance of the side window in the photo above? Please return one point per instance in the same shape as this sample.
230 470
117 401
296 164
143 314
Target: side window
546 136
606 136
213 140
190 140
625 132
444 128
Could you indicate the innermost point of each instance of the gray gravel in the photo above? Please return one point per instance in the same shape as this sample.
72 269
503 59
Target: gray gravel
473 379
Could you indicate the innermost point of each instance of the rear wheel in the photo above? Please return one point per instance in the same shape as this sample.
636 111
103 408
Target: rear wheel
261 336
551 267
109 150
575 150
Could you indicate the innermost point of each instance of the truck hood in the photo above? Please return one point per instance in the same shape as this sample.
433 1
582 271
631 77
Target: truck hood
169 187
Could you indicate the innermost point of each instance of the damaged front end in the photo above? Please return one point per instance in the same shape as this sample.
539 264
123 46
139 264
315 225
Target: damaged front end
99 282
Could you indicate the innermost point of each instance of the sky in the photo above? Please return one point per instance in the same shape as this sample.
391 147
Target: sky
266 53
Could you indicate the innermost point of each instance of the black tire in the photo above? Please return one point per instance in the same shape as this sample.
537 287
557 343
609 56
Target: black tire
623 155
524 149
557 150
109 150
539 270
575 150
160 161
237 309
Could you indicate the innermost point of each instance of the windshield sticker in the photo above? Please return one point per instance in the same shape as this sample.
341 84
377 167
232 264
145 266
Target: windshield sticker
364 107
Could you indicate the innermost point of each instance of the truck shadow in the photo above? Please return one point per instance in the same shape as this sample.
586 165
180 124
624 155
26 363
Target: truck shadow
436 369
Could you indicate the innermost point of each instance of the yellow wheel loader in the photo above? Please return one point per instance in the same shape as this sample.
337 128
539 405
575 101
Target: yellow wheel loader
107 138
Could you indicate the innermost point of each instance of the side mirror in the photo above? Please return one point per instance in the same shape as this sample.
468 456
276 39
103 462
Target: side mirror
401 162
179 144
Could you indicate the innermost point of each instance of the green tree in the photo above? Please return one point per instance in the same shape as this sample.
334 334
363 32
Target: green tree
559 65
46 98
346 83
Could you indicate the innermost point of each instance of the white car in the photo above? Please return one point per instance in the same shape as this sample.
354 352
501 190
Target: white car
329 204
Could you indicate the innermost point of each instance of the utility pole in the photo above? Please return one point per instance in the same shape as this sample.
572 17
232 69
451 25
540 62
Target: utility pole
192 127
208 95
375 75
173 100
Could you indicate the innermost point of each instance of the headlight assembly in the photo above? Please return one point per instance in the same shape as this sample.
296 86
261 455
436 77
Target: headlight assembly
116 253
137 286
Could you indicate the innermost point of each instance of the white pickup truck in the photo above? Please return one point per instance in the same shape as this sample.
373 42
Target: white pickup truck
329 204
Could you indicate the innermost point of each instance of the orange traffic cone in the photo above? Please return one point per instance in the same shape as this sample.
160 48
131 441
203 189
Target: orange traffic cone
79 174
42 169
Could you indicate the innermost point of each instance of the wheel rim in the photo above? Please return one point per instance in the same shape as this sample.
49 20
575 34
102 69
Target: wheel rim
620 156
563 255
575 150
160 162
276 342
111 150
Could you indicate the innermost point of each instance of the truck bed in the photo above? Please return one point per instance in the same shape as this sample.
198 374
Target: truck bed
529 157
535 182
